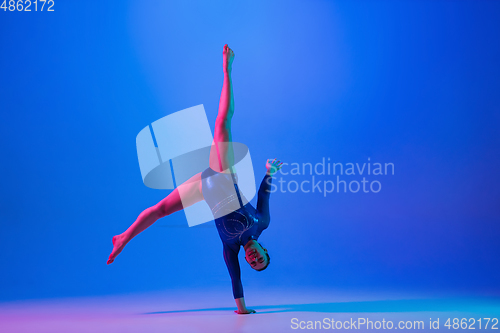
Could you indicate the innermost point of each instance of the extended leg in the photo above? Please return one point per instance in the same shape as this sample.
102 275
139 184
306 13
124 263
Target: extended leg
183 196
221 154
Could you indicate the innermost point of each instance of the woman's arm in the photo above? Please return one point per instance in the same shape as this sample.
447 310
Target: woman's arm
265 192
233 266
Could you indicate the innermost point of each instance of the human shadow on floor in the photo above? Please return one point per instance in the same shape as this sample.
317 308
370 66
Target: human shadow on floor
410 305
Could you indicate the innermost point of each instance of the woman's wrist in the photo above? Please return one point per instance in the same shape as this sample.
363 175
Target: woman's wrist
240 303
270 173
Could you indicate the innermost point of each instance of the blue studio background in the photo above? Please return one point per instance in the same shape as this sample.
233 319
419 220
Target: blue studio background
412 83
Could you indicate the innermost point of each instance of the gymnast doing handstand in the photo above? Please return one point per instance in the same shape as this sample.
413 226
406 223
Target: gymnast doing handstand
218 186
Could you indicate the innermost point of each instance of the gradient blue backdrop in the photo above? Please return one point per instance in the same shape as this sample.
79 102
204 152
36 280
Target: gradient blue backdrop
413 83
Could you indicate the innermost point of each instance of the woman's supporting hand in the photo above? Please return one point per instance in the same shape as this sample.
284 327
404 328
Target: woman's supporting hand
273 166
242 308
244 311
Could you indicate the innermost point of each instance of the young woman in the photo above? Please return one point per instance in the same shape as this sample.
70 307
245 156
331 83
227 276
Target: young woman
217 185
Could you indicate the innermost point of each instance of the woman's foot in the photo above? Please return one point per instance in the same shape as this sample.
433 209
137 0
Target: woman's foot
118 245
227 59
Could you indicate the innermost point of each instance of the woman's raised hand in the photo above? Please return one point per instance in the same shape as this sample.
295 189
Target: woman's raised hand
273 166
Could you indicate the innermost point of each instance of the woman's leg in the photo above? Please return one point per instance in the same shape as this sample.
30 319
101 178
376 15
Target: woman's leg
221 154
185 195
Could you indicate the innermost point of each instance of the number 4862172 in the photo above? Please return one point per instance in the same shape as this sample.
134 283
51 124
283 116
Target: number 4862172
27 5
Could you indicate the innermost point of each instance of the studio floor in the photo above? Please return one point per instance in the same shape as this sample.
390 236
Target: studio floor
277 311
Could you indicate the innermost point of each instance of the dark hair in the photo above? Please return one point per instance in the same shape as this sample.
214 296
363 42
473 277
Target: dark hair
268 260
